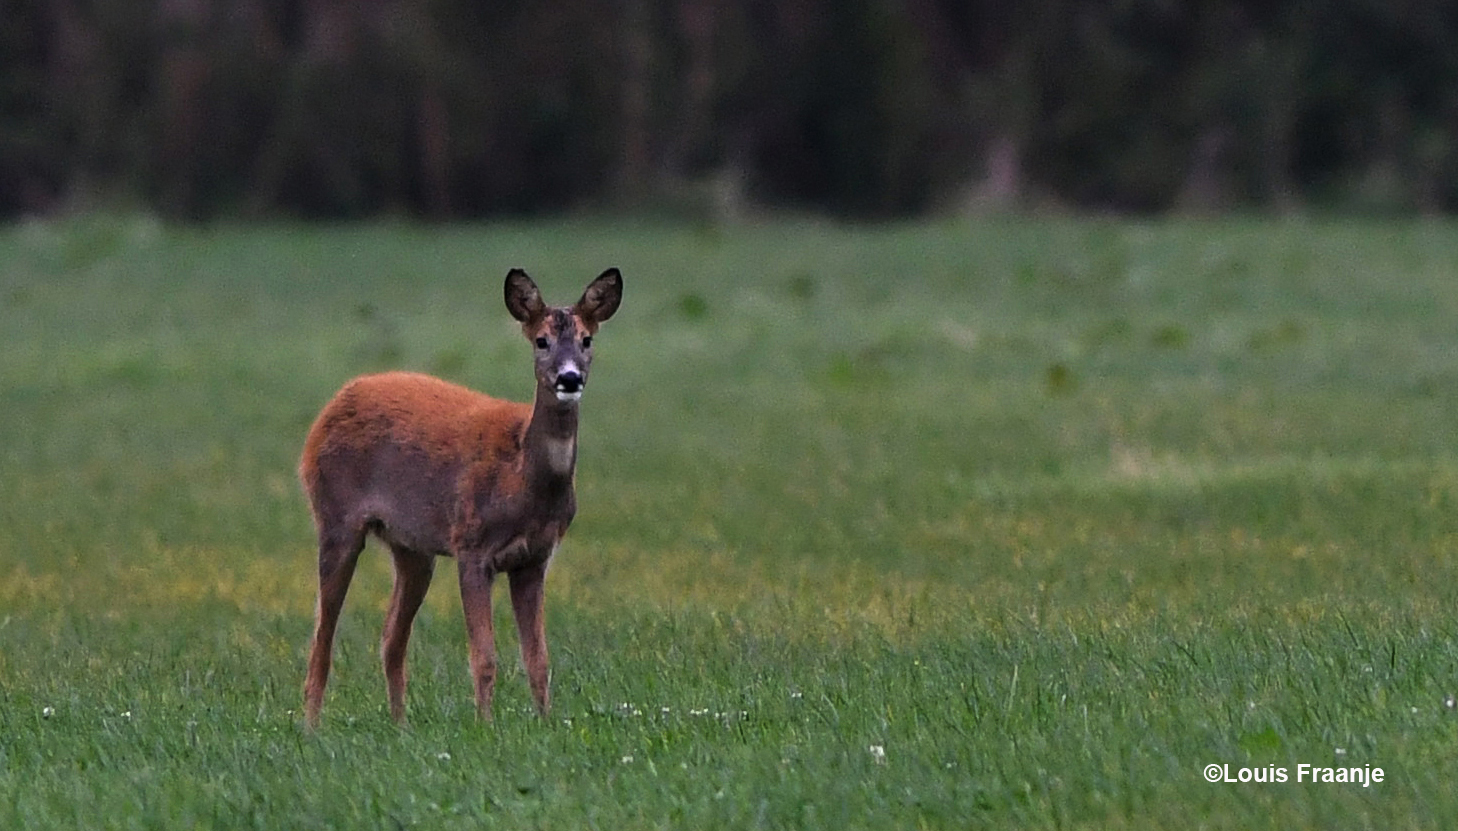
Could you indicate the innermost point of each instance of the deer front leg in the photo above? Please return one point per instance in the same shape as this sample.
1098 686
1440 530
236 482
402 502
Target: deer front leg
527 596
476 580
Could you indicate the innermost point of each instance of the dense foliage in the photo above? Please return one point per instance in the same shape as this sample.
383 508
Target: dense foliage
448 108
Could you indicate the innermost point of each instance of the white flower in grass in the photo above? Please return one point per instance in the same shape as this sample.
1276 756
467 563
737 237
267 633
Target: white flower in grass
47 712
1450 702
1340 751
443 756
127 715
878 753
627 760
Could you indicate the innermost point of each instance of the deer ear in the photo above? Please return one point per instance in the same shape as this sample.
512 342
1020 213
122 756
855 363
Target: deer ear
601 298
523 299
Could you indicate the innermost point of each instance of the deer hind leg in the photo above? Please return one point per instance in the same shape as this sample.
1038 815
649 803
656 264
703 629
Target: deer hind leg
527 596
476 582
412 578
338 555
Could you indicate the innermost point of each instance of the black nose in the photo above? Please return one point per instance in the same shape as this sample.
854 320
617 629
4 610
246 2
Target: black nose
569 381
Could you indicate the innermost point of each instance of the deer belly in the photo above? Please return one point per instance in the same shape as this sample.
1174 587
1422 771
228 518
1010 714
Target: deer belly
411 519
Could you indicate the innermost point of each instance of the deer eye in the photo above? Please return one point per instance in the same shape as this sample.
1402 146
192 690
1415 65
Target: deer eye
541 343
587 341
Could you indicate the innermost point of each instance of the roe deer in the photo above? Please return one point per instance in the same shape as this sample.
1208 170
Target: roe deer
435 469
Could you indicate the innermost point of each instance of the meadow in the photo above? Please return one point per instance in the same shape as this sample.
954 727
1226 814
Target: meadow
963 524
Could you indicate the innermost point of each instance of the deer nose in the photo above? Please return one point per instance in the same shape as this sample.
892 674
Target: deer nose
569 381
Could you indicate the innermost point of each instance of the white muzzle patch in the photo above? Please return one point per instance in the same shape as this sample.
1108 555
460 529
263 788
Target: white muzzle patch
574 391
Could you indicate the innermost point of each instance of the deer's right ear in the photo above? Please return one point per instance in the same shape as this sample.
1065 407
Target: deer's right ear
523 299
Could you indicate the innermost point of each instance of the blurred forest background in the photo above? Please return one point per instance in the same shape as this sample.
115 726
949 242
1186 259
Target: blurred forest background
198 109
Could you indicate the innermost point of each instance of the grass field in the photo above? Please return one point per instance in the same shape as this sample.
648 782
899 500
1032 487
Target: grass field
1011 524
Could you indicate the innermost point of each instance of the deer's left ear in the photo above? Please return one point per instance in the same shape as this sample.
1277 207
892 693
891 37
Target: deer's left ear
601 298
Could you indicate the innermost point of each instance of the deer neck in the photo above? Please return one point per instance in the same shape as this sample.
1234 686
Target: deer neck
551 442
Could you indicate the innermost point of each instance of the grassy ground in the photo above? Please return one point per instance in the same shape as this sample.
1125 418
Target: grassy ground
1015 524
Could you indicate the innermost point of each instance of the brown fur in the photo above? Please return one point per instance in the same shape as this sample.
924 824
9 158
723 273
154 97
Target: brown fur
435 469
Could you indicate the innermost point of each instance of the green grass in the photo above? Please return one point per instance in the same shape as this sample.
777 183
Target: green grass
1053 513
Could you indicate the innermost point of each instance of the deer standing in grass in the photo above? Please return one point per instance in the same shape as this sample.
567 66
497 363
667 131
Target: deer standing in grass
435 469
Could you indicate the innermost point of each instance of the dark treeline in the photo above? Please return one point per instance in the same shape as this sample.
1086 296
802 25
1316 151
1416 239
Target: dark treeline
866 108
